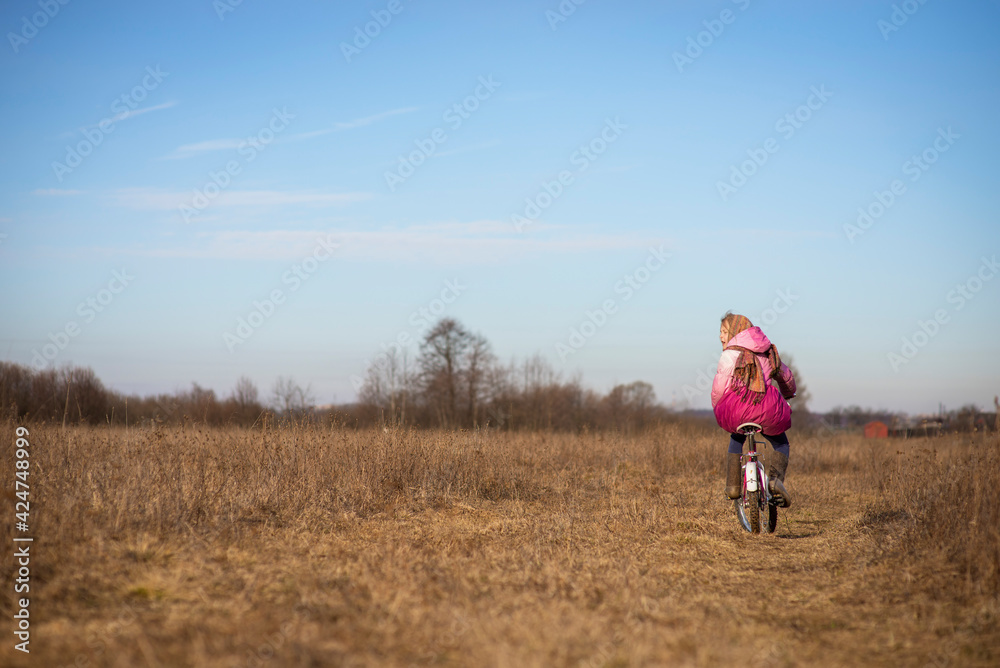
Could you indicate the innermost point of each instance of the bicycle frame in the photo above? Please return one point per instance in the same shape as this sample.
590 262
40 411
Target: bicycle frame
754 477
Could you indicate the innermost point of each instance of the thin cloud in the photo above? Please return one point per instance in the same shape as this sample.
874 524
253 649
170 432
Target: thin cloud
121 116
188 150
157 199
478 242
226 144
278 198
368 120
149 198
124 115
55 192
138 112
350 125
775 234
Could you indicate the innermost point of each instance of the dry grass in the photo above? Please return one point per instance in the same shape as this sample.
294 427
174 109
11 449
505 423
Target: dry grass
303 547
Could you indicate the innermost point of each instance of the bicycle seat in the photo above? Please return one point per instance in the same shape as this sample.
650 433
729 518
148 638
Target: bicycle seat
749 428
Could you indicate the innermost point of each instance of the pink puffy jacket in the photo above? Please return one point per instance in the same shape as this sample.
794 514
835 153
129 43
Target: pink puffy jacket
773 413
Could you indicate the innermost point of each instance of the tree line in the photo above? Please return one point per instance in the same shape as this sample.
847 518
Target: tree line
455 381
75 395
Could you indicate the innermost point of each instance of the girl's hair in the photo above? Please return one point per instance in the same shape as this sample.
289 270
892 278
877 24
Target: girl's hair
734 323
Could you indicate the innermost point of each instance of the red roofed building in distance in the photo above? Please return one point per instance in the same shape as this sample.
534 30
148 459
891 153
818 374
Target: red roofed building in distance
876 429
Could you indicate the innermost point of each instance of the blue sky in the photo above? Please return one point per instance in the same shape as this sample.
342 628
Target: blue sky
188 90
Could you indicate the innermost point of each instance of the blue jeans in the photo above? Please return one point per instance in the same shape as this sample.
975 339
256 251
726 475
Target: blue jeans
779 443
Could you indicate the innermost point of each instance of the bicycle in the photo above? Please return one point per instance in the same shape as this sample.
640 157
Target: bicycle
756 501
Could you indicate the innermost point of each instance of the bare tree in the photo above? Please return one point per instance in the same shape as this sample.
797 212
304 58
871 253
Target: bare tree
442 354
201 402
246 400
245 393
387 385
630 403
290 398
539 379
500 381
637 396
398 377
479 359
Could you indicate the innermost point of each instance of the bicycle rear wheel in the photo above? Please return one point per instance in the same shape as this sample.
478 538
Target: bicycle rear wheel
771 522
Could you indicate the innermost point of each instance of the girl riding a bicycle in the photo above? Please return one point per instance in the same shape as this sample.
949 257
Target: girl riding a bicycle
742 392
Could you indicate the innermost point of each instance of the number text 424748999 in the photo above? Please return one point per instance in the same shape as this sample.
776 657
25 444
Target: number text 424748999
22 542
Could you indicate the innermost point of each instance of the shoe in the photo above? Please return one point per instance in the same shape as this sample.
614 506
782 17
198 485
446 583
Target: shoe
734 482
776 480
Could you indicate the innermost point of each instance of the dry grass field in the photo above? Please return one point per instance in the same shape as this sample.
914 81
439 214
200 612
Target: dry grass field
308 546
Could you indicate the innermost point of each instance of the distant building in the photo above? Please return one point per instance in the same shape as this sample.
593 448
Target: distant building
876 429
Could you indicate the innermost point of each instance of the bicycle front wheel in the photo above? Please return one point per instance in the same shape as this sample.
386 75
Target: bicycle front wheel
753 516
